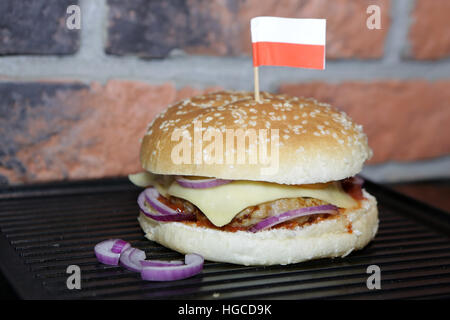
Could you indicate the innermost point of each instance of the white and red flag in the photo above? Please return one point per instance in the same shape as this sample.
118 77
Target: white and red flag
288 42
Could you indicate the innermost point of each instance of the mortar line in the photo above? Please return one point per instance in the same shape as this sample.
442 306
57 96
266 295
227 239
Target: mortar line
396 42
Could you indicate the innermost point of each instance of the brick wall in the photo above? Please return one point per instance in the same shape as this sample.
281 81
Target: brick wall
74 103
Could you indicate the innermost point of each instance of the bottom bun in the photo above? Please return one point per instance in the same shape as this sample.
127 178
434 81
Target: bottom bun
325 239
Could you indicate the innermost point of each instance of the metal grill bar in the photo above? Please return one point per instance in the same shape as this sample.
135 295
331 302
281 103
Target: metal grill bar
45 229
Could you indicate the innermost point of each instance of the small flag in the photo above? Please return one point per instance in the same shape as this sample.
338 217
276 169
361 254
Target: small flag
288 42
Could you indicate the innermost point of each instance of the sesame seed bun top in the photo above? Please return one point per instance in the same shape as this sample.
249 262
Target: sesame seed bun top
288 140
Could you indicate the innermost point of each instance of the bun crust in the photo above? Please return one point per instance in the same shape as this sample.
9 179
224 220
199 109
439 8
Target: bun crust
316 143
327 238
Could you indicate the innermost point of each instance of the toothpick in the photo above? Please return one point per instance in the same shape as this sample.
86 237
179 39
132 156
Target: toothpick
256 76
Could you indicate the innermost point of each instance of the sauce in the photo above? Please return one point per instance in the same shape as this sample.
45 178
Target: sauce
350 228
353 187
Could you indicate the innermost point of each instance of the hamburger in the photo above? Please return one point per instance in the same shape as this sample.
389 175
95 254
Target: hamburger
255 182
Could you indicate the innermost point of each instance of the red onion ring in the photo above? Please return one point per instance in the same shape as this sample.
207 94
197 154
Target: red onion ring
151 195
104 251
164 213
358 180
193 265
131 258
160 263
200 183
292 214
155 270
119 246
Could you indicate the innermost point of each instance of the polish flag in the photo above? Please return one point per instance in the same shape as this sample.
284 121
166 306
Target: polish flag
288 42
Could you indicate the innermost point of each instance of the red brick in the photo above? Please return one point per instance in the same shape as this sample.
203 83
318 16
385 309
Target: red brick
404 120
73 131
430 32
223 27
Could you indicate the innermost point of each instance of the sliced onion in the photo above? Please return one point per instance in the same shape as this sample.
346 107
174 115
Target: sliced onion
103 251
151 195
131 258
200 183
161 263
134 259
357 180
155 270
164 213
292 214
193 265
119 246
348 183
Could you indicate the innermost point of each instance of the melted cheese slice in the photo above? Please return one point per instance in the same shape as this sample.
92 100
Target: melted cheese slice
142 179
145 179
222 203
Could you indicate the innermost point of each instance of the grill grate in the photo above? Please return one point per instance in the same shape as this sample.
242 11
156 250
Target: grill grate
45 229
